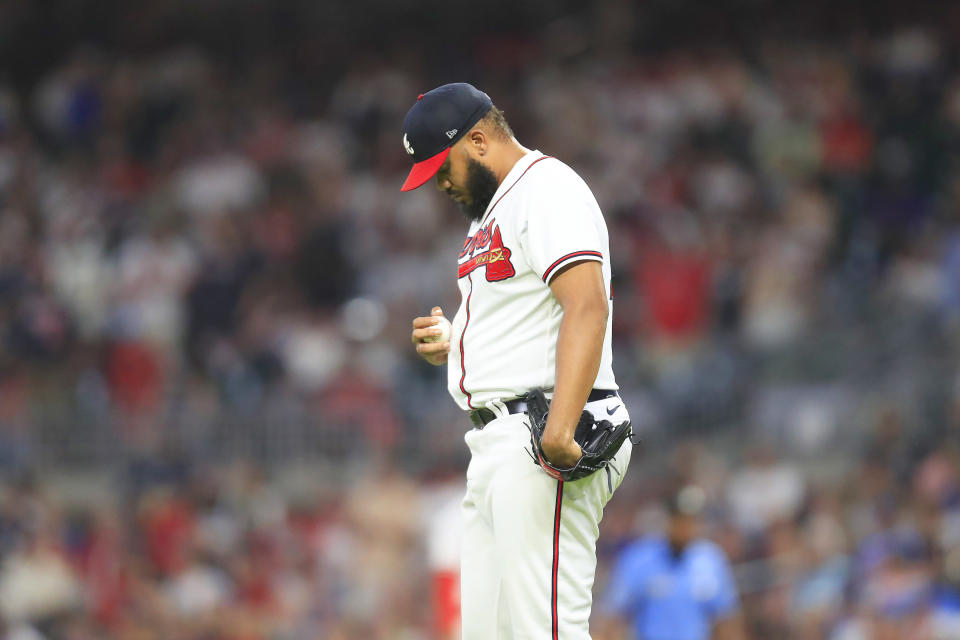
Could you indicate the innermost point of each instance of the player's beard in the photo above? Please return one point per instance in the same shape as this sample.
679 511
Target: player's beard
480 187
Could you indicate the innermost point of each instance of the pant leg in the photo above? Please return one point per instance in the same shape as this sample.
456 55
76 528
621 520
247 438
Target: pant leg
479 577
529 546
545 535
582 510
523 503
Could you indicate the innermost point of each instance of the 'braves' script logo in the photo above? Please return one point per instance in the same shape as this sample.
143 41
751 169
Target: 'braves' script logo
495 260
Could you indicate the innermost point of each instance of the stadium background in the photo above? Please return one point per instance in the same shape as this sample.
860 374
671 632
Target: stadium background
211 421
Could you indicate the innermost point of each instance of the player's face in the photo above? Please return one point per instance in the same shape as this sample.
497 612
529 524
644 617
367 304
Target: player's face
469 182
681 530
452 174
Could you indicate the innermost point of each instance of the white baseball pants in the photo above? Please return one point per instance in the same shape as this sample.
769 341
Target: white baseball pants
528 551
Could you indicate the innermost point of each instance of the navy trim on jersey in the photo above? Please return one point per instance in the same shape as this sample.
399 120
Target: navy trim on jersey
556 563
575 254
463 368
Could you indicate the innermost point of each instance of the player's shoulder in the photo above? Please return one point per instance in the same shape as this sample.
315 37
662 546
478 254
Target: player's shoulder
645 547
555 172
708 549
552 181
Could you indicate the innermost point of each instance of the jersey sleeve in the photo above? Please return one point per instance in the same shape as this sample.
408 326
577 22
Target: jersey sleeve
562 227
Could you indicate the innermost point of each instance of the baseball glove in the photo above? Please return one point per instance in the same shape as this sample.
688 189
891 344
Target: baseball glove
599 441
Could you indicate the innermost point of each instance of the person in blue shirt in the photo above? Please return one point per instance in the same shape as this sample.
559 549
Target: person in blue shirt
676 586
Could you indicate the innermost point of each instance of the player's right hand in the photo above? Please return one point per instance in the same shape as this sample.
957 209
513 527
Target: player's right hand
424 327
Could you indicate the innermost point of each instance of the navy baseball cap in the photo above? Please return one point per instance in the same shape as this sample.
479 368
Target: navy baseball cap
434 124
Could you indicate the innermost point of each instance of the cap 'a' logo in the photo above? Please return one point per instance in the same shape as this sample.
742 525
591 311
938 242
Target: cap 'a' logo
451 133
406 145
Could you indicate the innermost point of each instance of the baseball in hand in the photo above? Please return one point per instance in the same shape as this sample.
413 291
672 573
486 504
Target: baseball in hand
444 325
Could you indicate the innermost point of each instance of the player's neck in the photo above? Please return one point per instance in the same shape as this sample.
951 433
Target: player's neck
511 153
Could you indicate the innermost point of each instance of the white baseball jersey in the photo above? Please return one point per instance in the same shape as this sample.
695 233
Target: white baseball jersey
504 336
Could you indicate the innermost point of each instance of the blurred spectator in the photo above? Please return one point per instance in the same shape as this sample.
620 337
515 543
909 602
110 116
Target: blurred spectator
36 583
764 491
676 585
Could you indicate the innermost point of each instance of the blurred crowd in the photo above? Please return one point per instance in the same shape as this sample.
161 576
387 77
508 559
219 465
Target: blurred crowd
216 554
203 262
868 550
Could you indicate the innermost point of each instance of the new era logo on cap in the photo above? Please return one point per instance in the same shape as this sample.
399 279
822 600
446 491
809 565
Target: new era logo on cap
435 122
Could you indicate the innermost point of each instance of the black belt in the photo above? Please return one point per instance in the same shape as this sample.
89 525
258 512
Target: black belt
480 417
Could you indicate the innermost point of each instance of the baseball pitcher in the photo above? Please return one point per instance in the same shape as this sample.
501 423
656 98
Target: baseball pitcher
528 357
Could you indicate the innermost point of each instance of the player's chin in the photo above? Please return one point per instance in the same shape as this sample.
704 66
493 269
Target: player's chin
469 209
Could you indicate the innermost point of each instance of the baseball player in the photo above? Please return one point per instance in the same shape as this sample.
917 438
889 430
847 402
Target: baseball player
534 274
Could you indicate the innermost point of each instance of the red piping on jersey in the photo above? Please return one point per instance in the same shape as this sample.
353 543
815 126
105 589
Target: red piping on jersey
556 562
490 210
595 254
463 368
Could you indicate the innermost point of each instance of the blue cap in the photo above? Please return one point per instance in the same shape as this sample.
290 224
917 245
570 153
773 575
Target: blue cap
434 124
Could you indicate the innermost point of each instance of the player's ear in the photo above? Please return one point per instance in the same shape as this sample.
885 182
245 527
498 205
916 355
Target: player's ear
477 141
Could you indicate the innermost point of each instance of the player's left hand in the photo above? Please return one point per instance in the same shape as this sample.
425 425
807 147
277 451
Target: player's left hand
590 449
561 454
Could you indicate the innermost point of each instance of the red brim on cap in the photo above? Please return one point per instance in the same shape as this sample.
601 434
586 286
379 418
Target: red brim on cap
424 170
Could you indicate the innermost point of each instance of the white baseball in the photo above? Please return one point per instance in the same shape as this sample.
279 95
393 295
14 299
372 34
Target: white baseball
444 325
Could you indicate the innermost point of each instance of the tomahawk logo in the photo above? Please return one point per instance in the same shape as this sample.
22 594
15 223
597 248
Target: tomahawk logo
406 145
